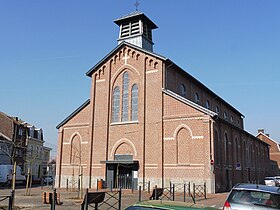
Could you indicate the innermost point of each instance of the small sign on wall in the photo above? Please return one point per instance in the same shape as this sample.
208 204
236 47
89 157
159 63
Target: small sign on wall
135 174
238 166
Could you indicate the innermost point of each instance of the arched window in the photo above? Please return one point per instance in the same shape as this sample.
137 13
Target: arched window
225 115
207 104
116 104
183 90
125 97
217 110
196 98
226 150
134 102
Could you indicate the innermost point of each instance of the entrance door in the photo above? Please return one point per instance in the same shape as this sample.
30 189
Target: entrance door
120 175
124 176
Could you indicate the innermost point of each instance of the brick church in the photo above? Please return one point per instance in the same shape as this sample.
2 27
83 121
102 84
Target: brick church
147 119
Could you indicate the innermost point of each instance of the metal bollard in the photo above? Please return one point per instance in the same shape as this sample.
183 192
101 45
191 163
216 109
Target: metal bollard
155 198
184 192
120 199
86 200
67 184
53 200
149 186
11 200
139 193
173 192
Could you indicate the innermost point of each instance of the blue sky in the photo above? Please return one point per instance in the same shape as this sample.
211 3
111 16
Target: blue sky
46 47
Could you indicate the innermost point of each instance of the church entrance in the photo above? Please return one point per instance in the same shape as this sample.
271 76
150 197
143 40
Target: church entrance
122 173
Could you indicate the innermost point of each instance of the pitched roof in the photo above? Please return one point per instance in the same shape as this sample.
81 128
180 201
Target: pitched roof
73 114
266 136
136 15
190 103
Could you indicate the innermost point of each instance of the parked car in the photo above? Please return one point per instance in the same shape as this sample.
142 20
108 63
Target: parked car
48 180
271 181
6 174
167 205
253 196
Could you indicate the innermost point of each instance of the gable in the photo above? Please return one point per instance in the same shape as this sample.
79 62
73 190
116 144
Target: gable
116 51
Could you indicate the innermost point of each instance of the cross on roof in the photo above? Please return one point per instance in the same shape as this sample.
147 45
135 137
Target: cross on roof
125 58
136 5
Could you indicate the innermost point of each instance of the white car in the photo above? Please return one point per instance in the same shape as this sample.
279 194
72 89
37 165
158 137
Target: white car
271 181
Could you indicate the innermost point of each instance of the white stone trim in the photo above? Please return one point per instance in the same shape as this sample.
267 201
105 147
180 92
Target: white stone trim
152 71
119 142
76 125
168 138
188 128
178 118
100 80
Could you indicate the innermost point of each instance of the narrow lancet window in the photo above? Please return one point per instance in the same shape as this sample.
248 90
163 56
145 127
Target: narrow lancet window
116 104
125 97
134 103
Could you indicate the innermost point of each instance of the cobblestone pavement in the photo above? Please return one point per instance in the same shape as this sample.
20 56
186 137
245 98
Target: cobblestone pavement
72 202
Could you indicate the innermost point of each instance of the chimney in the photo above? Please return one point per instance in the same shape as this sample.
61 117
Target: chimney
260 130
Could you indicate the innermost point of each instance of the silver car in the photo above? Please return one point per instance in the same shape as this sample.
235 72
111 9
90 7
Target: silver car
253 196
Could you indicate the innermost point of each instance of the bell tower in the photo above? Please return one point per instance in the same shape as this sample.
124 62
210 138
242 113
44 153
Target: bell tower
136 28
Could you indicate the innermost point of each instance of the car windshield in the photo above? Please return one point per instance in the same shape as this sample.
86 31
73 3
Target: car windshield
270 178
255 198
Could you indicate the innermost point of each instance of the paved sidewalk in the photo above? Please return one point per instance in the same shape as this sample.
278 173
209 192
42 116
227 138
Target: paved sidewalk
71 202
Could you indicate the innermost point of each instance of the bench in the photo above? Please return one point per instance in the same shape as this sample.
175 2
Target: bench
92 198
157 192
47 198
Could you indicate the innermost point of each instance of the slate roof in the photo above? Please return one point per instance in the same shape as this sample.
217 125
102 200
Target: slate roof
136 15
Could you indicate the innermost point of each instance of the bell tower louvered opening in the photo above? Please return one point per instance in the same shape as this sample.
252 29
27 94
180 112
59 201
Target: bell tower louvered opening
136 28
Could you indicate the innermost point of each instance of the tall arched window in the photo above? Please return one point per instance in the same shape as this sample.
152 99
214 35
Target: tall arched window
226 150
183 91
196 98
134 102
116 105
207 104
125 96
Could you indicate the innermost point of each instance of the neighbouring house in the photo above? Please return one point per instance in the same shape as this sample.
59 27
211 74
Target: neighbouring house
14 131
5 149
274 152
23 143
37 155
149 120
